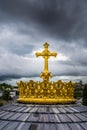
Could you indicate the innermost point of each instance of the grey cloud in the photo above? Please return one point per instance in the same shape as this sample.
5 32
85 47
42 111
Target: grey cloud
26 24
22 50
60 18
16 49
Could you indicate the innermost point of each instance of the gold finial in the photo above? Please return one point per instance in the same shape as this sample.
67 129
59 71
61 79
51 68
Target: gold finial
46 54
46 45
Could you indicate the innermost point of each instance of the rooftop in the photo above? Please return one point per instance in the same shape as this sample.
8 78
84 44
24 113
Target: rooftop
43 117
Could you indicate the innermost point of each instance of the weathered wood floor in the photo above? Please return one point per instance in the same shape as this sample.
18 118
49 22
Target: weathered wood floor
43 117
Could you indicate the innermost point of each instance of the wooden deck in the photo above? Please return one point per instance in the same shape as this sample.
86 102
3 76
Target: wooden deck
43 117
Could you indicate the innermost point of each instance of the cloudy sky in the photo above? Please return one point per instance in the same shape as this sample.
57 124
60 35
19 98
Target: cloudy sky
25 25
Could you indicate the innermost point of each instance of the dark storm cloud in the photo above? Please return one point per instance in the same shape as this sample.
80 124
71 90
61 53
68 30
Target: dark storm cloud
26 24
60 18
10 77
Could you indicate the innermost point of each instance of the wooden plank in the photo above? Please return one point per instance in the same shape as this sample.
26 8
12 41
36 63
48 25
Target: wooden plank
11 126
34 109
84 114
83 118
27 109
41 110
81 108
4 114
16 108
57 118
52 118
73 109
1 112
64 118
84 125
3 124
46 126
55 110
46 117
40 126
8 115
33 126
47 109
23 116
67 109
51 109
75 126
53 126
73 118
15 116
23 126
9 107
43 118
62 110
63 127
20 109
33 118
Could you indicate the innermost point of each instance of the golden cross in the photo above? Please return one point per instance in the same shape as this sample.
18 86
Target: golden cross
46 55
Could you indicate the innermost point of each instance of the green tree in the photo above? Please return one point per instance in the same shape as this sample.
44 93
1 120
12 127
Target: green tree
84 100
6 95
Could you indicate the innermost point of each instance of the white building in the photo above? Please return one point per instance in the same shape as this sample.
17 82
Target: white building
12 93
1 93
